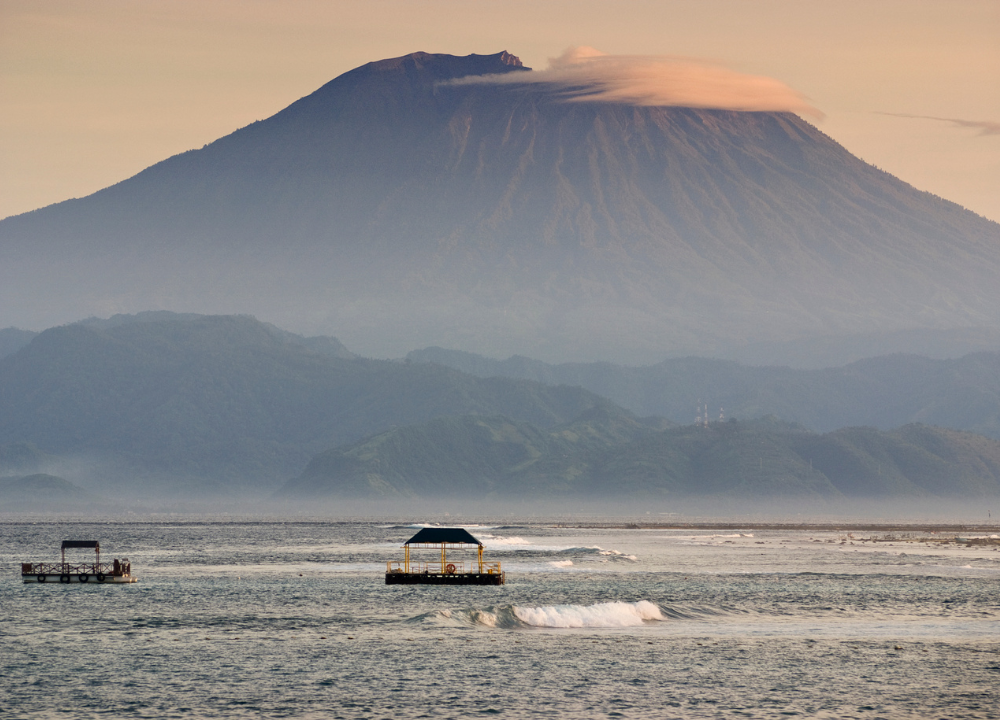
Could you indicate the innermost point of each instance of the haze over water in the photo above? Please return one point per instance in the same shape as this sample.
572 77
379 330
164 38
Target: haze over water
292 619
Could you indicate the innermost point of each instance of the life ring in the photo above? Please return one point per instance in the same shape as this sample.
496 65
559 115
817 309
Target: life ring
65 579
41 578
101 577
84 578
449 568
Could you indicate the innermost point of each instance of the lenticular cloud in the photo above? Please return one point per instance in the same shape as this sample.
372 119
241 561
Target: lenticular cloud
584 74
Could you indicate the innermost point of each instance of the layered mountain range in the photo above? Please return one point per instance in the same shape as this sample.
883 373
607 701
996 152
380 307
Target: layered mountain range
883 392
160 405
396 209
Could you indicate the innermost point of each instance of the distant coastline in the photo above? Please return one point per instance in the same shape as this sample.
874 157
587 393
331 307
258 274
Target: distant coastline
819 527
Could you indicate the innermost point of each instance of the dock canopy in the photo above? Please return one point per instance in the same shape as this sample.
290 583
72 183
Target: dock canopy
80 544
443 536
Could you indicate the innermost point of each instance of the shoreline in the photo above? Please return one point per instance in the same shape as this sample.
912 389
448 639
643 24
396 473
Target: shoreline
819 527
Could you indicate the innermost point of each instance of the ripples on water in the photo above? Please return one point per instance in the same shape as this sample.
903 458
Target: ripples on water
291 619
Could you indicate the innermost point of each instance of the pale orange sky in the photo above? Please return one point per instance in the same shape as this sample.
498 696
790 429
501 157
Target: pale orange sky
93 92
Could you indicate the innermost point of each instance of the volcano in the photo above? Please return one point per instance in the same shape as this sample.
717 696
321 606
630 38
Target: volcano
397 209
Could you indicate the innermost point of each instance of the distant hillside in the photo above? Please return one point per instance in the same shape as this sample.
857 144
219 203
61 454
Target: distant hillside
221 402
467 455
21 457
43 493
609 455
13 339
324 345
884 392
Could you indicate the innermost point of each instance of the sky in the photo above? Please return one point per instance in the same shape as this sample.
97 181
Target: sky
94 91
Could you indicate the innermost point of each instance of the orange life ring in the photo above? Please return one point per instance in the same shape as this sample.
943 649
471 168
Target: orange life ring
449 568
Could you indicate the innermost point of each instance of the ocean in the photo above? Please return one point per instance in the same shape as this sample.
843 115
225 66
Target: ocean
235 618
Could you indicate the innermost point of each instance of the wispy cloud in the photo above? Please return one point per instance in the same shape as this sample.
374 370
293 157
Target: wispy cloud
985 127
584 74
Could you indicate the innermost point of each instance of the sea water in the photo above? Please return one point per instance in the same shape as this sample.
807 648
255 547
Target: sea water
234 619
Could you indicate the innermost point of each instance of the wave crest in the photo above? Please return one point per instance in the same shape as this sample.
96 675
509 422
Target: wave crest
609 614
601 615
595 550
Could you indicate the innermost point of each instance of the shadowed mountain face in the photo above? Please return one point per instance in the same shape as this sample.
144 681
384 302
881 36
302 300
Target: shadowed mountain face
397 210
884 392
161 404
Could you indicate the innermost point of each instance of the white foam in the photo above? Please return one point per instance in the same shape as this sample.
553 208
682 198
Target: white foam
602 615
561 563
616 554
499 542
597 550
419 526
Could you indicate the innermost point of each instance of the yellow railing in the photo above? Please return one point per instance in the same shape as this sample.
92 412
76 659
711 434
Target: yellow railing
436 568
123 568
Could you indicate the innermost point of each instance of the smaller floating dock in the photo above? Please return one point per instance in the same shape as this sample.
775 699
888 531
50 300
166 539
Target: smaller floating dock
116 572
445 571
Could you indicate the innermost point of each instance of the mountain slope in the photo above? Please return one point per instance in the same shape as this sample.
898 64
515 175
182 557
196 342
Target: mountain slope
396 210
46 494
13 339
479 457
468 456
228 402
885 392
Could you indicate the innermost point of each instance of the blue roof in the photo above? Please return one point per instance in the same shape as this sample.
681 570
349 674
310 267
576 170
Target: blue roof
81 544
436 536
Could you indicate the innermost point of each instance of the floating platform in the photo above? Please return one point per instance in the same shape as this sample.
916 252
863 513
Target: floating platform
115 572
403 578
444 572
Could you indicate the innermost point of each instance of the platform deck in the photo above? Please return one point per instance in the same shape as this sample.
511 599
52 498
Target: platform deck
403 578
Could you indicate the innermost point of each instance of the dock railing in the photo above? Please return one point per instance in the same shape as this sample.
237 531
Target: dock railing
115 569
437 568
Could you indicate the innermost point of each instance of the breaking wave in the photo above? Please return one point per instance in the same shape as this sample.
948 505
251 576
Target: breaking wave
516 544
602 615
501 542
419 526
595 550
610 614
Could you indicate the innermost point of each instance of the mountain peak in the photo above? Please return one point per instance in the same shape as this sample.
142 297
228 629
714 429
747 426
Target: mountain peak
507 59
443 66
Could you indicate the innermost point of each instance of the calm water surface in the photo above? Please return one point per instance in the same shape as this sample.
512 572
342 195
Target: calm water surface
292 619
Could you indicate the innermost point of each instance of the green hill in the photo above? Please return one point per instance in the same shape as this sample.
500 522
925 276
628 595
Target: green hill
610 454
468 455
185 401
